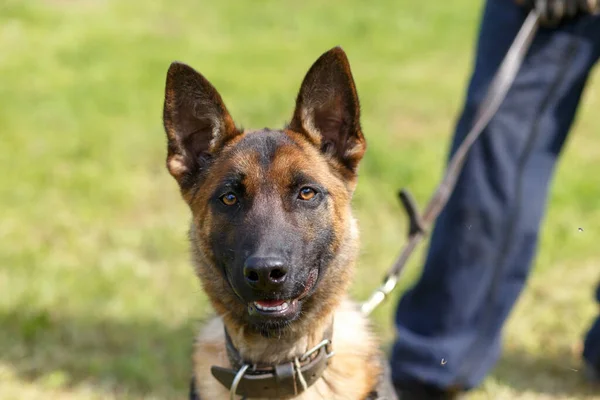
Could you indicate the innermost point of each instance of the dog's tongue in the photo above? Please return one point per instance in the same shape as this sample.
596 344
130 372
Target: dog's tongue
270 303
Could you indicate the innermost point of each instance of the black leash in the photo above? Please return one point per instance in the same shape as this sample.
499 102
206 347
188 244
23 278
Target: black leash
420 223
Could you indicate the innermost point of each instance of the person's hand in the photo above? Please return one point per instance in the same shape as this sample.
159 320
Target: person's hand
555 11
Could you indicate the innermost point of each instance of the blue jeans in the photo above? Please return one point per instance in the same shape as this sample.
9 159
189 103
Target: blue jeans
484 241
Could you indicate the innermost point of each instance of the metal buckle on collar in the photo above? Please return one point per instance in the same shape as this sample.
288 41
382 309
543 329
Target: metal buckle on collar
324 343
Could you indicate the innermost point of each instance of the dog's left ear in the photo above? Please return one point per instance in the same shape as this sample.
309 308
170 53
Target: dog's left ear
328 110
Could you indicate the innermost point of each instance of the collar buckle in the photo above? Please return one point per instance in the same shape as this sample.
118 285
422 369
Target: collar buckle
324 343
275 381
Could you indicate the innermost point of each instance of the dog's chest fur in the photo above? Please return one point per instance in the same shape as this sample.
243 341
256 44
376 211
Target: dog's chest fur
353 371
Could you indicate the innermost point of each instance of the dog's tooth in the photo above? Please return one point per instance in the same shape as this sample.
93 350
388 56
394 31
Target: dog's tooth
280 307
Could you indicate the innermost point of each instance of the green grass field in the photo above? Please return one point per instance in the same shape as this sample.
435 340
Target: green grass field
97 297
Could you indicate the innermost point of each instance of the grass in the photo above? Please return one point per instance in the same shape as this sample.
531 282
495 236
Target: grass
97 297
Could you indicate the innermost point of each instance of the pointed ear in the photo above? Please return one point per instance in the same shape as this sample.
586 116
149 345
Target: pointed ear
196 121
328 110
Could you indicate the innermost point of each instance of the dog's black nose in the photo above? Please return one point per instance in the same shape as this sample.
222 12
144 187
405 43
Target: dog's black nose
265 273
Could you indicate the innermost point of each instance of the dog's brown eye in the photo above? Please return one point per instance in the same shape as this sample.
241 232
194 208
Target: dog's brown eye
306 193
229 199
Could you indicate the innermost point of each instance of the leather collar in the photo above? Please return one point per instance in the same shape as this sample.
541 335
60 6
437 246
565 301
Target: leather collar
275 381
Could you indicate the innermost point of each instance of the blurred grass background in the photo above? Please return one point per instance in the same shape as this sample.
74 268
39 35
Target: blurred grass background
97 296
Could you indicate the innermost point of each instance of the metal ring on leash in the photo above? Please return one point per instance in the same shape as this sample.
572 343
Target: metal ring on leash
236 381
380 295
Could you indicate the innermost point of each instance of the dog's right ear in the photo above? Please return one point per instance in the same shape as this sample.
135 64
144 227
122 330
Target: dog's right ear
196 121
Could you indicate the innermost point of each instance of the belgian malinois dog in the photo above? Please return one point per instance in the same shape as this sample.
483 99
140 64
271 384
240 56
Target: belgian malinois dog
274 241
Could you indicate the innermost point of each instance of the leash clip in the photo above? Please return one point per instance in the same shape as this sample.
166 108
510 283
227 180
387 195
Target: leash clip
379 295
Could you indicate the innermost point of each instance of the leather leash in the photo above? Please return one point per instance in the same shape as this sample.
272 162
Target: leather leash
420 223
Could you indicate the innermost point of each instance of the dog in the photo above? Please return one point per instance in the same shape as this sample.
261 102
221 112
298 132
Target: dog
274 241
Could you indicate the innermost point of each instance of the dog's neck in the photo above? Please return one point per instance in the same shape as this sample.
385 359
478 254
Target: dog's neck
255 348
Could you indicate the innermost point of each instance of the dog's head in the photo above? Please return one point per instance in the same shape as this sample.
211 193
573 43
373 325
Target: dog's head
272 232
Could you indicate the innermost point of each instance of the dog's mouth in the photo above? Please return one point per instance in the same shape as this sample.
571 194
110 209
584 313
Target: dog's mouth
283 308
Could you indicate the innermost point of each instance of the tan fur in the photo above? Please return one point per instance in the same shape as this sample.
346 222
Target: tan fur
351 374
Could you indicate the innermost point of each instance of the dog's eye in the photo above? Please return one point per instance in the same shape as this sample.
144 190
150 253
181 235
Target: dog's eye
306 193
229 199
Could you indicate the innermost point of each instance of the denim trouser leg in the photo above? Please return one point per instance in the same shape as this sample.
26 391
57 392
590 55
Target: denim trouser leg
484 241
591 350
